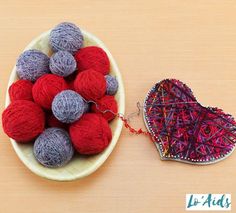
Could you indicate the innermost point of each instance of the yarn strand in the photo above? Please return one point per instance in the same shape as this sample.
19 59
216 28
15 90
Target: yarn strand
126 120
132 130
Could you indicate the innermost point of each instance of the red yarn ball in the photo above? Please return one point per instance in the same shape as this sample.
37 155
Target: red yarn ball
90 84
106 103
70 80
21 90
91 134
52 121
70 85
23 120
46 88
92 57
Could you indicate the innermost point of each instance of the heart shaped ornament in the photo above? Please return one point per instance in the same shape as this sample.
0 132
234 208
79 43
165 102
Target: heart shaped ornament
183 129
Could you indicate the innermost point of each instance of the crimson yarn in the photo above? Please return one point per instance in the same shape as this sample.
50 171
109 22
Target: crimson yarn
23 120
21 90
90 84
91 134
104 104
46 88
52 121
92 57
70 80
71 85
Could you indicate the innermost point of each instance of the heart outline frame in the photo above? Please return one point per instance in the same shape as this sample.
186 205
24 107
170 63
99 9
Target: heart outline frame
158 141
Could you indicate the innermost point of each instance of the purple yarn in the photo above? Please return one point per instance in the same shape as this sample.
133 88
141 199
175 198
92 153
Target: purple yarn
53 148
112 85
66 36
68 106
62 63
32 64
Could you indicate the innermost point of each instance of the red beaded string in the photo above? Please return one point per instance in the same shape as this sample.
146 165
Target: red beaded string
132 130
126 120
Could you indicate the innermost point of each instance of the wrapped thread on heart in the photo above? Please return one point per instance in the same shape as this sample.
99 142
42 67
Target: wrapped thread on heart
184 129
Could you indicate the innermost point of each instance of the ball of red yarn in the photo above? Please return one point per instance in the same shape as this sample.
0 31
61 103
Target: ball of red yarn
92 57
52 121
90 84
21 90
91 134
71 85
106 103
46 88
23 120
70 80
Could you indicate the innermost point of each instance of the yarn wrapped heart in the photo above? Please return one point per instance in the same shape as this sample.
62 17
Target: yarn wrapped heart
183 129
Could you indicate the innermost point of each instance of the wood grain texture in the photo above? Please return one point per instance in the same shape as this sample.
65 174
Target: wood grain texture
194 41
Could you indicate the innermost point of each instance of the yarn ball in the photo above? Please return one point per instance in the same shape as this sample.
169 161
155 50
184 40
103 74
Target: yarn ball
91 134
23 120
90 84
62 63
93 57
32 64
112 85
68 106
53 148
21 90
71 85
104 105
66 36
46 88
52 121
70 80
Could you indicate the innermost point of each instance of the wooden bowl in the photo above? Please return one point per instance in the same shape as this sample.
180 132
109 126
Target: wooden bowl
79 166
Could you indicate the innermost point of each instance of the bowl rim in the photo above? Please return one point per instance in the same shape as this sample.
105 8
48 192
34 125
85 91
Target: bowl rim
117 132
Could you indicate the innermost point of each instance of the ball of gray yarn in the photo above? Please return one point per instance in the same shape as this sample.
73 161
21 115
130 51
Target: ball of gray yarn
32 64
68 106
112 85
62 63
66 36
53 148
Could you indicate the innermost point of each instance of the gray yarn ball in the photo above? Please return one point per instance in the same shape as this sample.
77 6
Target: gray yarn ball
53 148
68 106
32 64
62 63
66 36
112 85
